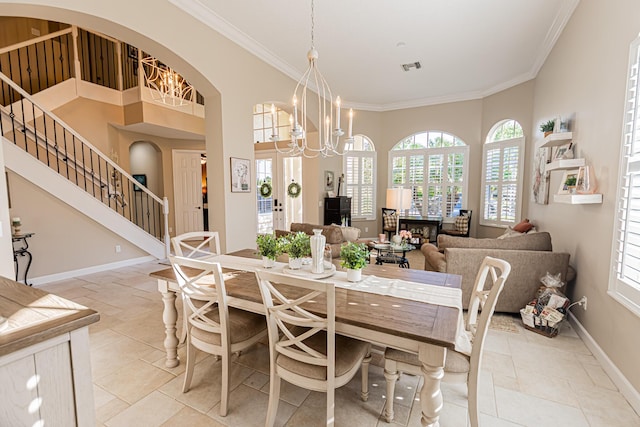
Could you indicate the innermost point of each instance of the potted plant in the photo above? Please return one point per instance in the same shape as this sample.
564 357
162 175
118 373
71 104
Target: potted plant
269 249
570 183
353 257
297 246
547 127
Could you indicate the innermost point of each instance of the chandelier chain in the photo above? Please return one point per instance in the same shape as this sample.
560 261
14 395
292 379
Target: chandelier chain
313 25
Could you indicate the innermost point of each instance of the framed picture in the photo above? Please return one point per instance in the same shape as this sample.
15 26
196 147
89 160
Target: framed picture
142 179
328 181
540 178
563 152
132 52
571 176
240 175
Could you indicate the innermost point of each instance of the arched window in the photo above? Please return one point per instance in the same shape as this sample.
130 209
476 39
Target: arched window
267 123
359 168
434 165
502 174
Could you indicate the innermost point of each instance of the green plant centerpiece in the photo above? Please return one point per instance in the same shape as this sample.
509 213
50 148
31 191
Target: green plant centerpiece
547 127
268 248
353 257
297 246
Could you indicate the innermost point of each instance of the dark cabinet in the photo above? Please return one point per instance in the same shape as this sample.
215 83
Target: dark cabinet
337 210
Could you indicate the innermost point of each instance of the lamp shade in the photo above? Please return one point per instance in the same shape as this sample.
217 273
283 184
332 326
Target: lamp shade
398 198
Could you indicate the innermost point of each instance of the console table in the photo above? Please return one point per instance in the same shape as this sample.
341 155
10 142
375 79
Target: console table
434 224
21 251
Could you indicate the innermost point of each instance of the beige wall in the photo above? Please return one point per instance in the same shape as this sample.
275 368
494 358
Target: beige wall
65 239
585 75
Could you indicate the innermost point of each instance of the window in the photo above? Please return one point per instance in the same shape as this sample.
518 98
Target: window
359 167
434 166
502 175
624 284
265 123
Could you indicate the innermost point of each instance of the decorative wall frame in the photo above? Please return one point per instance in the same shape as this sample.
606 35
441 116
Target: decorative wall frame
240 175
564 188
540 178
142 179
329 181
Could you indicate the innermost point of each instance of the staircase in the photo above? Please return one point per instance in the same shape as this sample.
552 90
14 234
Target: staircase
43 149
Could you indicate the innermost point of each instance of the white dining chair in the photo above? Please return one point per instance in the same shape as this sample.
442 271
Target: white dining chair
303 346
197 244
212 326
458 367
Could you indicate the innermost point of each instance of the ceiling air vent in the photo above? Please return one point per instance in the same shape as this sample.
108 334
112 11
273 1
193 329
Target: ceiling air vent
411 65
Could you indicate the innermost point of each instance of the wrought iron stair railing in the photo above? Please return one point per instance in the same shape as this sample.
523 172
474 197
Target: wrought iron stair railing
51 141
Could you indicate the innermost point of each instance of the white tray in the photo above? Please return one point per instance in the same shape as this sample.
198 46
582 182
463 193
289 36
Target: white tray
305 272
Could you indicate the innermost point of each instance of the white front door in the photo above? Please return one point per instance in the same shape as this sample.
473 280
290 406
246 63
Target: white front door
277 211
187 191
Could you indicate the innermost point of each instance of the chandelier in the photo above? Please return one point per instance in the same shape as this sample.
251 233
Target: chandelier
166 86
329 131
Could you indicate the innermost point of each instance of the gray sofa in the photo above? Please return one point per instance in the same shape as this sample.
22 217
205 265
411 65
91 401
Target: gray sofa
530 256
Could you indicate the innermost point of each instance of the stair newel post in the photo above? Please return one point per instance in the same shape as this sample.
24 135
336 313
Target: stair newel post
76 60
165 213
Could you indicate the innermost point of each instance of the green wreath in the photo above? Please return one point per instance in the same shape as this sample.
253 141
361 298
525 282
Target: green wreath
293 190
266 189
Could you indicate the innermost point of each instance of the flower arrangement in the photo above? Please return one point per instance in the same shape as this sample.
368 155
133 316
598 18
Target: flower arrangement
353 256
268 245
405 235
296 245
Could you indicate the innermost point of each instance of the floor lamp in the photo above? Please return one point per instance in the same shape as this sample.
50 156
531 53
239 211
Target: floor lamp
398 198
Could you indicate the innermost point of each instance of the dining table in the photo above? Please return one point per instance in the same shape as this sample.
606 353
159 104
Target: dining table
428 329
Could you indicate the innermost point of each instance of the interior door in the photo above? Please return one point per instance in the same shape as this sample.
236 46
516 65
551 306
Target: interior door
277 211
187 191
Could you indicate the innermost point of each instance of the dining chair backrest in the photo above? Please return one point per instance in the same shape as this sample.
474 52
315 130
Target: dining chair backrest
197 244
202 286
498 271
290 324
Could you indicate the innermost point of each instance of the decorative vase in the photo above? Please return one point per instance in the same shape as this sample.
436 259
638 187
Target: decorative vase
268 262
317 251
354 275
396 239
295 263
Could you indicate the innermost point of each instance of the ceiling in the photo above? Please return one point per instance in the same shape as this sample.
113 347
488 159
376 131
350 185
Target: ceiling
468 49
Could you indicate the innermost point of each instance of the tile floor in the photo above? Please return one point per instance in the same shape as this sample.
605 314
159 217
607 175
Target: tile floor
526 380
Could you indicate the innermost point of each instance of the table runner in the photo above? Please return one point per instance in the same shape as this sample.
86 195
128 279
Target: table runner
415 291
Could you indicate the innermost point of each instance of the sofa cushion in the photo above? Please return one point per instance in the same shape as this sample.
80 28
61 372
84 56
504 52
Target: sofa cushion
331 232
389 221
532 242
523 226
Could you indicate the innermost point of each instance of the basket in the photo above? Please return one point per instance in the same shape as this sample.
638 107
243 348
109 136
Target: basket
541 326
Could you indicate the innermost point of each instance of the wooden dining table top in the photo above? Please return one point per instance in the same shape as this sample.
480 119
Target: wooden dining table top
415 320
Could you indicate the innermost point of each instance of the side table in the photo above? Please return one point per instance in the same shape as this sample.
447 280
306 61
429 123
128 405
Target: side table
21 250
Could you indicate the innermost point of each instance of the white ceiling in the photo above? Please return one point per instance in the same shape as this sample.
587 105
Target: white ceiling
468 48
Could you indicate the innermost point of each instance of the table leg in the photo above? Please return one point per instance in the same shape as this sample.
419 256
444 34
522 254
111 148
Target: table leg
432 358
169 317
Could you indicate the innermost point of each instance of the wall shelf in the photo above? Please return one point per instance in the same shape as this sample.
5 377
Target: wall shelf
564 164
555 139
578 199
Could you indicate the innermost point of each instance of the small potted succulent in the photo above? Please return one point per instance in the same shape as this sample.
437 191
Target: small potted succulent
548 127
297 246
353 257
269 249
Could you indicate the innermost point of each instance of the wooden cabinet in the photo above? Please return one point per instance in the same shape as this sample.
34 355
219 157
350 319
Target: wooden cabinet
45 370
337 210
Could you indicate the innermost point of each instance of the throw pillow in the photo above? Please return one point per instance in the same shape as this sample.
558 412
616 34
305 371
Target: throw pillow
390 221
462 224
349 234
523 226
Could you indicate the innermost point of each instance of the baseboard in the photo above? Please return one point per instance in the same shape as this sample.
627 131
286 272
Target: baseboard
37 281
618 378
